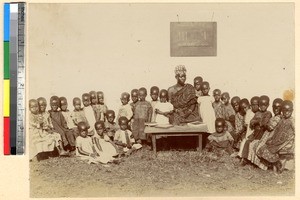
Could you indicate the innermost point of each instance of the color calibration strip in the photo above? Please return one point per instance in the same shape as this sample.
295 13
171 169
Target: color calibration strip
14 78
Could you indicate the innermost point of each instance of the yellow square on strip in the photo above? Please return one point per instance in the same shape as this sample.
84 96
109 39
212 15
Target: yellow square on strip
6 98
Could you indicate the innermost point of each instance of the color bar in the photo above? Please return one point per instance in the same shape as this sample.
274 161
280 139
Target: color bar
13 72
6 83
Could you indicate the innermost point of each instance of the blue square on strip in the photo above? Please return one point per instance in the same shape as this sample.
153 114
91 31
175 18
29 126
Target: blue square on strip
6 21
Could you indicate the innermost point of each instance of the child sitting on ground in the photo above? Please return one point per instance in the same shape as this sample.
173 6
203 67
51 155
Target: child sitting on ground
154 92
124 138
89 113
103 145
163 108
221 139
42 139
229 114
206 109
101 107
85 149
110 126
70 124
218 105
142 113
125 110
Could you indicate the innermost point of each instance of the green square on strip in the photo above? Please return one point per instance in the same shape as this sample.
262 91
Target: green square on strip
6 60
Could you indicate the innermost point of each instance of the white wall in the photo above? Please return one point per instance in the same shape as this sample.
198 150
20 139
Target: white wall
76 48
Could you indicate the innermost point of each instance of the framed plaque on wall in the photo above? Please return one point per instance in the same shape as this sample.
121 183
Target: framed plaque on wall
192 39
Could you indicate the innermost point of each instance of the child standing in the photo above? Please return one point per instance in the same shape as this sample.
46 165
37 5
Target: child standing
239 122
256 144
124 138
154 92
134 98
94 105
258 124
197 85
78 114
218 105
59 122
283 139
247 112
103 145
40 138
85 149
221 139
163 108
229 114
125 110
44 114
110 126
206 109
89 113
102 108
70 124
142 113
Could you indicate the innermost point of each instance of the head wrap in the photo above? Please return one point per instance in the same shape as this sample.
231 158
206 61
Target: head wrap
180 69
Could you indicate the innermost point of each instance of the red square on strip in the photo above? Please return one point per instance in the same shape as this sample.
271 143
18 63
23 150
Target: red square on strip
6 136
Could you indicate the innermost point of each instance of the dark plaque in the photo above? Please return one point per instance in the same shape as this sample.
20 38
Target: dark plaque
193 39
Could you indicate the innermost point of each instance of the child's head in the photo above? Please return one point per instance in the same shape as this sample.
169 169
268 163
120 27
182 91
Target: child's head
123 123
83 129
100 127
220 125
263 103
254 104
42 104
287 109
163 96
277 105
142 94
217 95
235 102
77 103
110 116
197 82
63 103
100 97
135 95
225 97
54 103
244 106
154 91
33 106
86 99
125 98
93 97
205 88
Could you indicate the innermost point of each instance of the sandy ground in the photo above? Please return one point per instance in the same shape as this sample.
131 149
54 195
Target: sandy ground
171 173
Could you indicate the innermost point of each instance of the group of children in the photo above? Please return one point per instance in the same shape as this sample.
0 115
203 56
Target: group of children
242 128
247 129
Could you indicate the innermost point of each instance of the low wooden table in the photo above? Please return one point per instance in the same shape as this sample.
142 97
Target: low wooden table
177 131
